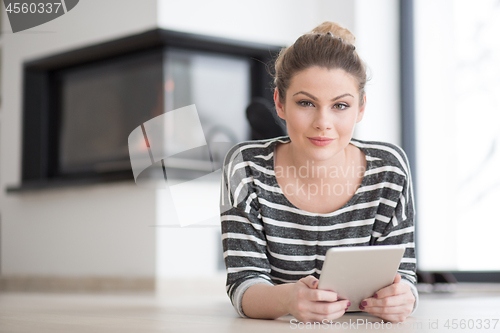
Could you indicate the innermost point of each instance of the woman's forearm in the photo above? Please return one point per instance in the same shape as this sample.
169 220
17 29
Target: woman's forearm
265 301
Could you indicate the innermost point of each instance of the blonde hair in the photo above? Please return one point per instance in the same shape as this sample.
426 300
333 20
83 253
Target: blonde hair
329 46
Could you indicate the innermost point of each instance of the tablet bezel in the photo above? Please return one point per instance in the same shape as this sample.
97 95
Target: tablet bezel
357 272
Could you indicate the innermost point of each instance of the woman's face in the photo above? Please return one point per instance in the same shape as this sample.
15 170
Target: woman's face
321 110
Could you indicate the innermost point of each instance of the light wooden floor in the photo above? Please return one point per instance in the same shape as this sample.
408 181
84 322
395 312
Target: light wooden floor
178 312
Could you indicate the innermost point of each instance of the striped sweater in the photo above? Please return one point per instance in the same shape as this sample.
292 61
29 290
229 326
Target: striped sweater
266 239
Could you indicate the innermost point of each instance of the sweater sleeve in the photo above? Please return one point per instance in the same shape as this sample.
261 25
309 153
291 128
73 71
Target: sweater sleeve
243 236
400 230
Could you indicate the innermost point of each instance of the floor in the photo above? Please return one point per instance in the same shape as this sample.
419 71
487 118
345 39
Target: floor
472 304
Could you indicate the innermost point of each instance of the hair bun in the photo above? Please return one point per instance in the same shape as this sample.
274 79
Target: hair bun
336 30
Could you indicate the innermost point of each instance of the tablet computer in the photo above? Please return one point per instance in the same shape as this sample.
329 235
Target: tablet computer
358 272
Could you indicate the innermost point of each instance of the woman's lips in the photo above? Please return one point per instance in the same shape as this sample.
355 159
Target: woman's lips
320 141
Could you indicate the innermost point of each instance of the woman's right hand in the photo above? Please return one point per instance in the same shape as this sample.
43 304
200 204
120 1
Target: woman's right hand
307 303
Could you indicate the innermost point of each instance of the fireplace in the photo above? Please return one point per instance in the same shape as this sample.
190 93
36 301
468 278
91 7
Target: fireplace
80 106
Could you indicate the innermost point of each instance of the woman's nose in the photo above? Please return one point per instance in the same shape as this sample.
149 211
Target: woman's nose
323 120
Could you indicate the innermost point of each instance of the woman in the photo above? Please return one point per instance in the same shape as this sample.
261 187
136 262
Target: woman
286 200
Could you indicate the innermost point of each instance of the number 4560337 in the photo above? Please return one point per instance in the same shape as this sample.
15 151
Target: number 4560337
32 8
477 324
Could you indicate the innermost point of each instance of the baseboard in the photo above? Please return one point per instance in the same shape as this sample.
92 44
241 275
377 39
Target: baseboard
75 284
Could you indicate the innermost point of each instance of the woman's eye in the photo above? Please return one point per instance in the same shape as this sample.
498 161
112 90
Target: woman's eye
305 103
341 106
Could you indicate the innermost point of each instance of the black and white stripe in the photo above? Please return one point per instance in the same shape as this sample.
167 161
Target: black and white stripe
266 239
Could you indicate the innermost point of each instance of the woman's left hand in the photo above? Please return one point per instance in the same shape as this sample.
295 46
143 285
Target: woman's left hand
393 303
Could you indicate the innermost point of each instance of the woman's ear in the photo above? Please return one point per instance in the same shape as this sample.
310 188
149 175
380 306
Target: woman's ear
280 109
361 112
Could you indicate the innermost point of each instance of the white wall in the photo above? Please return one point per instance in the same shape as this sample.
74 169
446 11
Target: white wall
342 12
88 231
276 22
377 42
98 231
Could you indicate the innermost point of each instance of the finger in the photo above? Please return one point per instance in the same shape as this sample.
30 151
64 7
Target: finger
392 290
391 313
397 278
329 307
315 317
389 310
392 317
319 295
310 281
395 300
328 316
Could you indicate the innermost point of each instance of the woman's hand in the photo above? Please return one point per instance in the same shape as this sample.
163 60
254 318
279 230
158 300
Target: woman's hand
309 304
393 303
